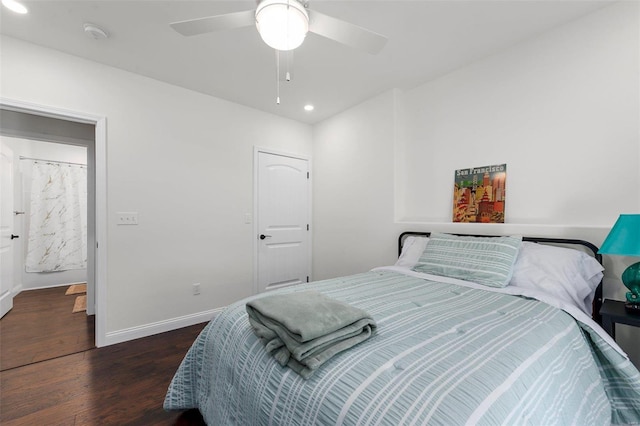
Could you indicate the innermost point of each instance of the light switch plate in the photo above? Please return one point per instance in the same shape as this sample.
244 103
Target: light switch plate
127 218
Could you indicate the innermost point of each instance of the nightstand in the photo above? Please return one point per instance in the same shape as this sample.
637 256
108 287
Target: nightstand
613 312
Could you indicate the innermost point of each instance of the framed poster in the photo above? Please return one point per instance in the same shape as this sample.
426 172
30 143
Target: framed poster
479 194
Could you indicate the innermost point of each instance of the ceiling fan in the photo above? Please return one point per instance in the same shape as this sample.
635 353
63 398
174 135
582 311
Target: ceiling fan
283 25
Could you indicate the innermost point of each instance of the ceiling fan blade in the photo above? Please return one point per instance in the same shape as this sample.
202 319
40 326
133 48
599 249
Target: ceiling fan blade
346 33
210 24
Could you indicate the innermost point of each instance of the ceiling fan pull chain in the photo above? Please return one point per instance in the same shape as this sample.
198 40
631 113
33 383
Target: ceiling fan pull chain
287 74
277 77
289 59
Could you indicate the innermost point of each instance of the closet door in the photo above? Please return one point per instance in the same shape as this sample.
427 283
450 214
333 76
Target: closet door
283 242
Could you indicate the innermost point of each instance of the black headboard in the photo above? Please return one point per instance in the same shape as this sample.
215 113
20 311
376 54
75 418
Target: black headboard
597 300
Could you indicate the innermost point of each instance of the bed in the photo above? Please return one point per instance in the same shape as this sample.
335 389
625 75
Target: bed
447 350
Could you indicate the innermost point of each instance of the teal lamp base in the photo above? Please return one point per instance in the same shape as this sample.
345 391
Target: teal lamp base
631 280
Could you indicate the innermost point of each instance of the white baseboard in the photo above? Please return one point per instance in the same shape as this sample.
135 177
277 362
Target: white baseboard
42 287
147 330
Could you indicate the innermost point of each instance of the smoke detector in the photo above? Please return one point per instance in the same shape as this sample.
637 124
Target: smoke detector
95 32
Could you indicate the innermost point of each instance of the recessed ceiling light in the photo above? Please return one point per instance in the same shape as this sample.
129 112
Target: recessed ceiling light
308 107
15 6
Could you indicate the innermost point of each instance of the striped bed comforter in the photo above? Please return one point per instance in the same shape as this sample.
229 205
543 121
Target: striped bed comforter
443 354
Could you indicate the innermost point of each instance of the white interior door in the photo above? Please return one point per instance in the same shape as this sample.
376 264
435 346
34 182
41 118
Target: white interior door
283 248
6 230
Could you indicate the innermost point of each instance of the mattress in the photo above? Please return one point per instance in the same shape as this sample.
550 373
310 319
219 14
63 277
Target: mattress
445 352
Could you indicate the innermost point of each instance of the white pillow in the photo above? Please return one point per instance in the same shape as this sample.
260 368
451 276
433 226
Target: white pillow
412 249
567 274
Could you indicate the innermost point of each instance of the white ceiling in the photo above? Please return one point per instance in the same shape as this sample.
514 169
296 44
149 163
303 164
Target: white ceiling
427 38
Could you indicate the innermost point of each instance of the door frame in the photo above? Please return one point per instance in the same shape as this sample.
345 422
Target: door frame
97 258
256 152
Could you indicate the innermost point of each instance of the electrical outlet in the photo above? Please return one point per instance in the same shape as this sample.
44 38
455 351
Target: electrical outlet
196 289
127 218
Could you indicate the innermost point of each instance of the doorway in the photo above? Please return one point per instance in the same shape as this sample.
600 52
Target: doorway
282 226
96 187
49 270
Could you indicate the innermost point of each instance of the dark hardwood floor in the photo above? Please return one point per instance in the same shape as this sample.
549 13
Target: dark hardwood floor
41 326
122 384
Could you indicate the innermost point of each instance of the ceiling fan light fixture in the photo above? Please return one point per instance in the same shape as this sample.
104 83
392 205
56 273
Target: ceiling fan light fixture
282 24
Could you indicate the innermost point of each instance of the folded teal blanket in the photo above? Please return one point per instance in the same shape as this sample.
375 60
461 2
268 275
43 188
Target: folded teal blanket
305 329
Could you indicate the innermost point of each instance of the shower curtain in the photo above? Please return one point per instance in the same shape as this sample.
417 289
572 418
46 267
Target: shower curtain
58 218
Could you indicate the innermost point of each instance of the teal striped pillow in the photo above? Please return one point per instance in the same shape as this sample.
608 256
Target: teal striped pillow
483 260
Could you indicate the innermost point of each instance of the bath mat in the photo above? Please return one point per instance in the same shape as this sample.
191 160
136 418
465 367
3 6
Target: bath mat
76 289
80 305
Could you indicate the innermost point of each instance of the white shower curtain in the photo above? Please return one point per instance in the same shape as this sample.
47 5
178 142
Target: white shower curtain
58 218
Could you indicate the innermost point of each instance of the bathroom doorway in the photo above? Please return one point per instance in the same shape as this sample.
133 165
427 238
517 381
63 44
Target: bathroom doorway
41 135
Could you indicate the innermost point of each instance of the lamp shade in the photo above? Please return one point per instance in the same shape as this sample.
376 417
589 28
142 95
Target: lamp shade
282 24
624 237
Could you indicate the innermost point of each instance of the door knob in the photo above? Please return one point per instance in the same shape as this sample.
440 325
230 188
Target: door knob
14 236
262 236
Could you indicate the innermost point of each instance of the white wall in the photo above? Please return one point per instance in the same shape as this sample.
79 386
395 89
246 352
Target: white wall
353 189
183 161
22 198
562 110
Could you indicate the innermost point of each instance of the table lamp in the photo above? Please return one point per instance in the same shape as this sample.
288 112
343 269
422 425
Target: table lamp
624 240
